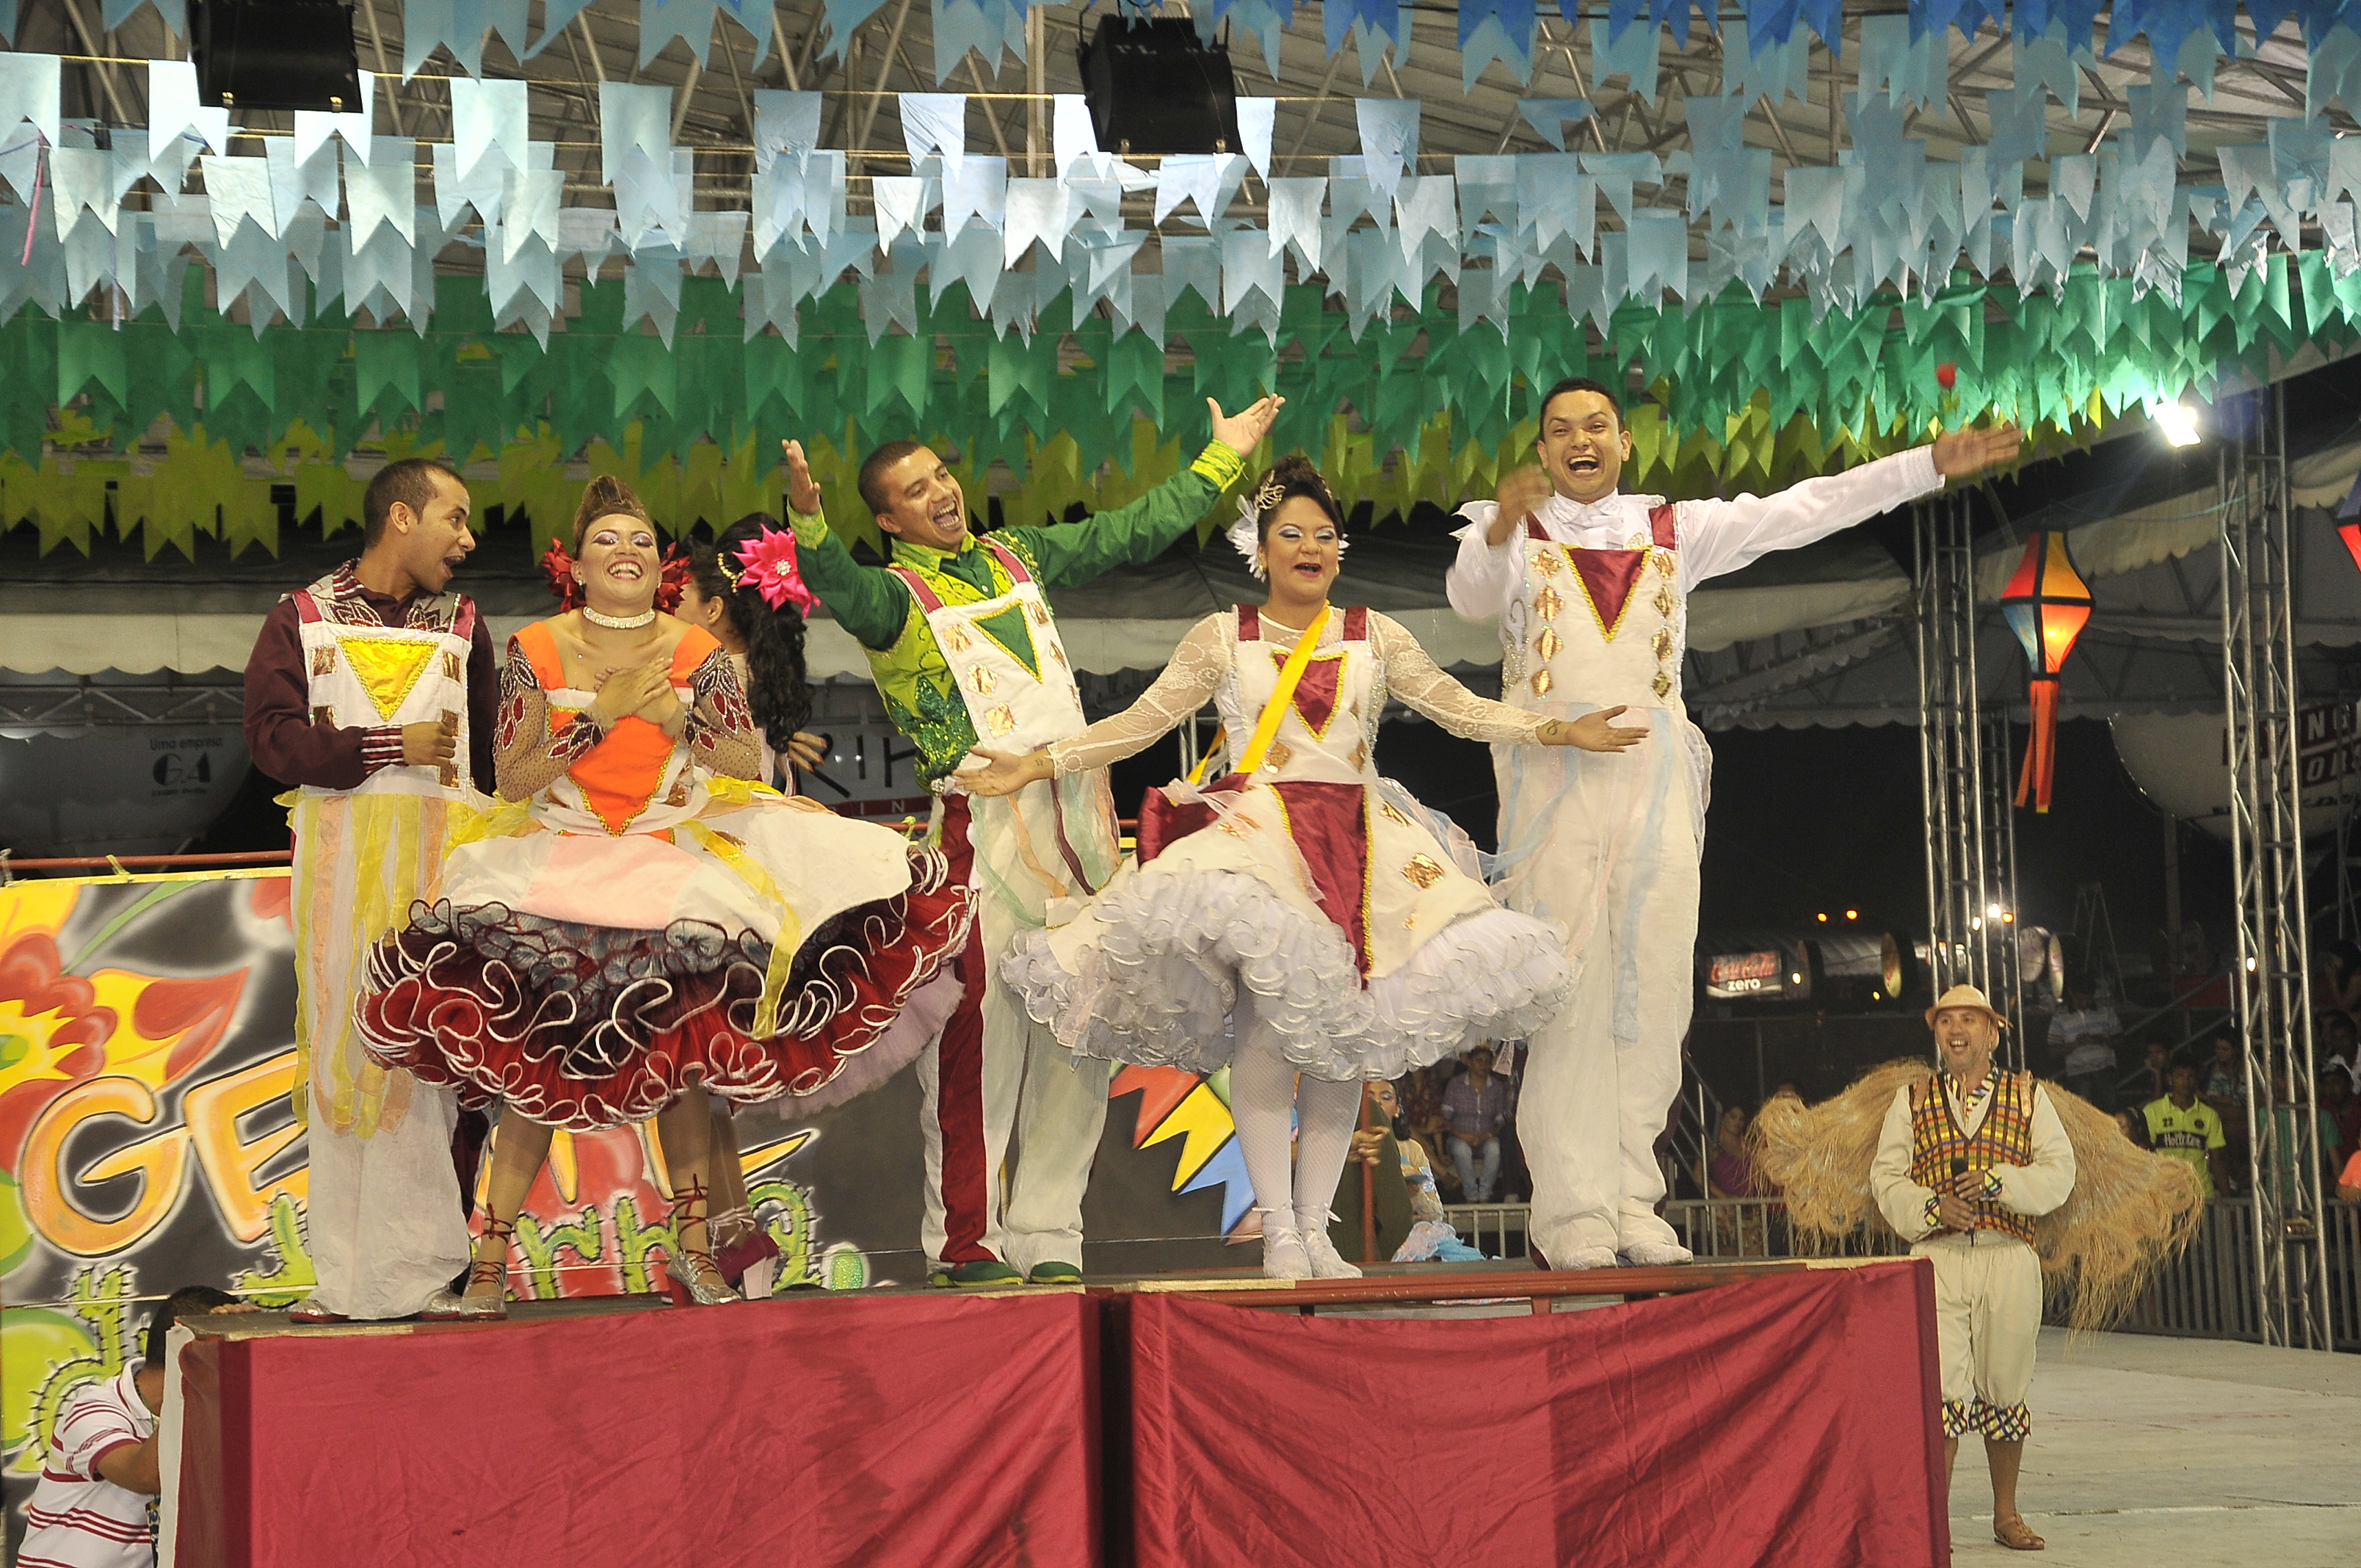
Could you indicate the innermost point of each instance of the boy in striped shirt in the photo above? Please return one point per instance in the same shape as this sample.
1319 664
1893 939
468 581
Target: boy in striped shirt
94 1506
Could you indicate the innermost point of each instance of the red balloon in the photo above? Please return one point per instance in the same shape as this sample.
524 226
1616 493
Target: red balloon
1947 375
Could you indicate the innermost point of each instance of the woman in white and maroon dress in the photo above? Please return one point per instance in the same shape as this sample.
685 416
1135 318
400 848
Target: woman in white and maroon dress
1324 923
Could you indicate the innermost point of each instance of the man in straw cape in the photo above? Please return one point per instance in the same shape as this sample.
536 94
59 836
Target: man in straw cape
1998 1181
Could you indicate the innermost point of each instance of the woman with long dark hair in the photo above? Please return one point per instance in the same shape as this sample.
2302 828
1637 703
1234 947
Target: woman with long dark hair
744 589
656 929
1321 927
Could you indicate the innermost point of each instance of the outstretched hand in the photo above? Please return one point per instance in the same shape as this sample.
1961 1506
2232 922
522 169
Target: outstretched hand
803 490
1003 772
1593 731
1243 431
1965 453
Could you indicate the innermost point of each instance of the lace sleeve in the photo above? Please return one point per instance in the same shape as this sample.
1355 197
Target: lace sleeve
526 759
720 733
1416 679
1186 683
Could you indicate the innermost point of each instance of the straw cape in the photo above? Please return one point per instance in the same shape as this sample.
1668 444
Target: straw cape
2130 1210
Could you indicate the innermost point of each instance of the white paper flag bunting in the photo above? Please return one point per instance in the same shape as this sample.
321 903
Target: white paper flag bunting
1389 139
1073 136
935 123
173 110
975 189
784 123
633 118
901 202
313 128
28 92
532 201
294 182
1036 214
240 189
382 191
1295 218
1256 118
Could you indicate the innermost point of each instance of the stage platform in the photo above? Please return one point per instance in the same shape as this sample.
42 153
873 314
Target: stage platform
1768 1413
2200 1454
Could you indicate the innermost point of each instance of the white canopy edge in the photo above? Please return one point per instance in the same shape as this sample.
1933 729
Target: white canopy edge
142 644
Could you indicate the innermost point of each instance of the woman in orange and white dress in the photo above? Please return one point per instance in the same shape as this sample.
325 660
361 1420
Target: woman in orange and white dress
659 929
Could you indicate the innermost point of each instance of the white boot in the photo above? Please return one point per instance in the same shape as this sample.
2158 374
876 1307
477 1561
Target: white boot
1283 1256
1327 1263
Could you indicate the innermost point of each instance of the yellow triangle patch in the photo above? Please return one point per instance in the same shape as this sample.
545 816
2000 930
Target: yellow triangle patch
387 667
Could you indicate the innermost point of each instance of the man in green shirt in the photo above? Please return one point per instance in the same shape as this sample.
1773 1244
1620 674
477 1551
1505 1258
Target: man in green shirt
964 649
2187 1128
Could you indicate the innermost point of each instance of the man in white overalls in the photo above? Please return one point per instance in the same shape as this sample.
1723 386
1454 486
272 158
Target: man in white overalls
965 649
371 692
1591 590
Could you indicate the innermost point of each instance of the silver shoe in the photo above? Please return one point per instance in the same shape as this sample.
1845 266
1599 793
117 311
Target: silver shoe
450 1307
688 1277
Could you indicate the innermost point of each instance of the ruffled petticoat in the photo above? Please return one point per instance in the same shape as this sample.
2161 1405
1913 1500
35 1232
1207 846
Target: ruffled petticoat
585 1024
1150 973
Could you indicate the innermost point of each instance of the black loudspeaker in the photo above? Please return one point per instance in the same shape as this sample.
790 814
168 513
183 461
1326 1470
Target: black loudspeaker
1153 87
275 54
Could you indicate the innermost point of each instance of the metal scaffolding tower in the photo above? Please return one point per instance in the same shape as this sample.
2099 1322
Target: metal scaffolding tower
1970 842
2272 971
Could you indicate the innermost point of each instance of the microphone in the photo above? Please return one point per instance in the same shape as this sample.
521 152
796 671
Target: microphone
1958 1165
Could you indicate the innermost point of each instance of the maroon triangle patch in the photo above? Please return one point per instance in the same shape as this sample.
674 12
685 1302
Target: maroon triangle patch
1315 691
1608 577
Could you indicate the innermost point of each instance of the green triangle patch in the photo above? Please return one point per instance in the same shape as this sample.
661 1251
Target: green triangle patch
1007 627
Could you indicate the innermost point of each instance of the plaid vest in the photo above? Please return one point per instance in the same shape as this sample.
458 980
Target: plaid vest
2004 1137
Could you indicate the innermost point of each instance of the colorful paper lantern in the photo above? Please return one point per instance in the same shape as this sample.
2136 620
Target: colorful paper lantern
2047 604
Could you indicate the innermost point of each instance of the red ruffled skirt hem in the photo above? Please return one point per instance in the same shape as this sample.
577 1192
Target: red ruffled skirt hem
587 1027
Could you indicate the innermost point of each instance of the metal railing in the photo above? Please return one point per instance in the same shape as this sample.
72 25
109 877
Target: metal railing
2208 1292
1496 1230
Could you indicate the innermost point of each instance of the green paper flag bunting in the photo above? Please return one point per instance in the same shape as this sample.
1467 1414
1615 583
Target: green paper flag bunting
1414 409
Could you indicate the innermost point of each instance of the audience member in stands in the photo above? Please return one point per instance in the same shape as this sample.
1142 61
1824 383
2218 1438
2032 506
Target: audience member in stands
2348 1181
95 1505
2147 1081
2224 1084
2134 1126
1431 1235
1474 1106
2084 1034
2337 1048
2338 1101
2340 988
1729 1173
2183 1125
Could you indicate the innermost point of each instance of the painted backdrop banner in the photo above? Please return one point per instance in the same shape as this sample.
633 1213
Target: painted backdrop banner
146 1054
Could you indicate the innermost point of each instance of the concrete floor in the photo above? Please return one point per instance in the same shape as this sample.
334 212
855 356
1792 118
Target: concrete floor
2151 1452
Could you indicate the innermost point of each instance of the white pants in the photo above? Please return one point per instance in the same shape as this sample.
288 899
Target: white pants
381 1214
1987 1322
992 1075
1611 853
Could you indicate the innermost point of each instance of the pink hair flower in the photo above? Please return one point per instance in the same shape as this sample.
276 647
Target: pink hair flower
768 562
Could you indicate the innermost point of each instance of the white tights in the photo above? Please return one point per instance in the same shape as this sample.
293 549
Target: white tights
1263 1089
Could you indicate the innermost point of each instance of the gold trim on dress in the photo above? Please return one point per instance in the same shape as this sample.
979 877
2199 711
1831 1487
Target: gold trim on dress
1423 870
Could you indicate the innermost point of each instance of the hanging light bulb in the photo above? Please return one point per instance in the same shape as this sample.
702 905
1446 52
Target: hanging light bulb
2178 422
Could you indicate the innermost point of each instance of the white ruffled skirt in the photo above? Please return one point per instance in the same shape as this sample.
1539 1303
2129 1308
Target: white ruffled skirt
1149 972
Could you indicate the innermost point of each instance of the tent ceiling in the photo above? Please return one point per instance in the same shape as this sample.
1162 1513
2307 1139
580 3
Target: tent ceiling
892 53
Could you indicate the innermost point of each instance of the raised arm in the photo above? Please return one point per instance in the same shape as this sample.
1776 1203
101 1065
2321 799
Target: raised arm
1186 684
1076 553
868 601
1722 536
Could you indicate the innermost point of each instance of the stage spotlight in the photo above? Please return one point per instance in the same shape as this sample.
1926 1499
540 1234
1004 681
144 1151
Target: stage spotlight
2178 422
1852 913
1152 86
1822 917
275 54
